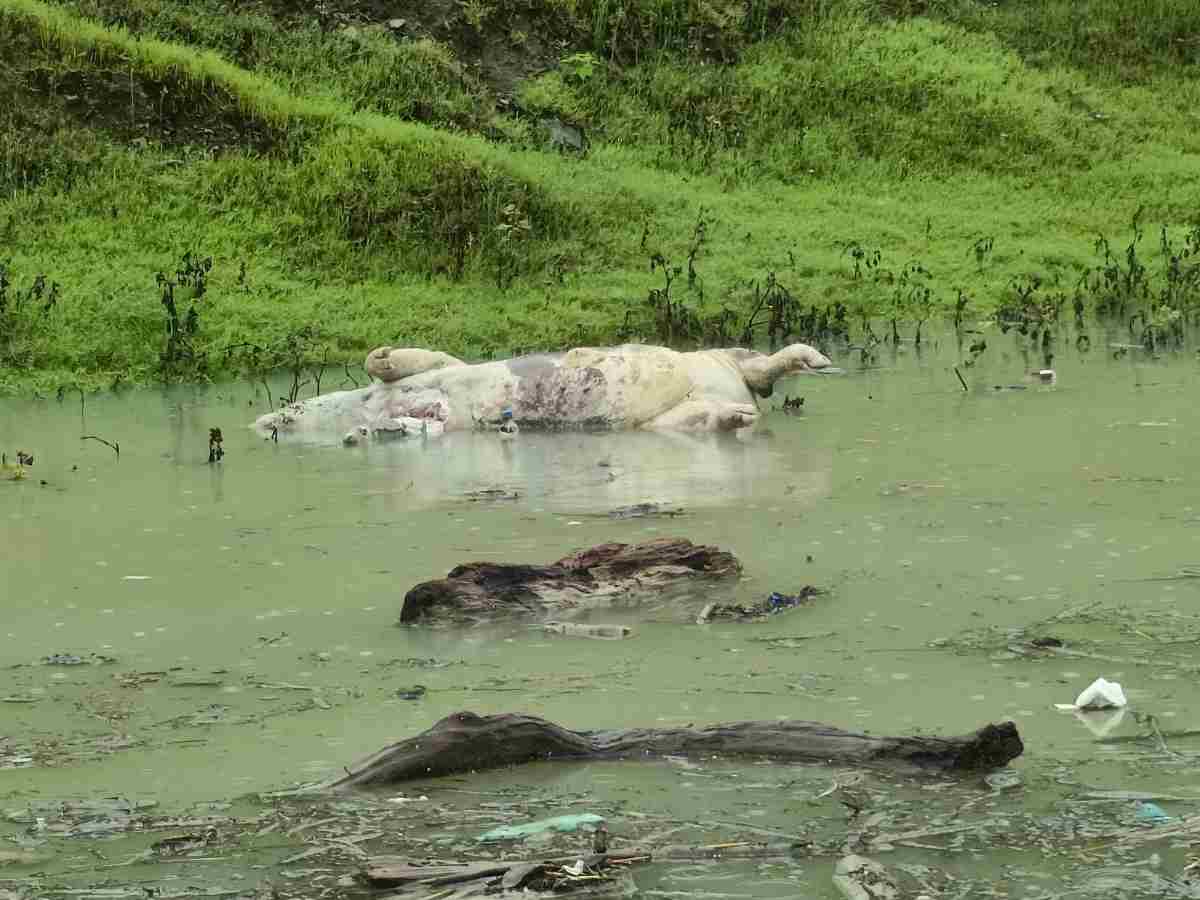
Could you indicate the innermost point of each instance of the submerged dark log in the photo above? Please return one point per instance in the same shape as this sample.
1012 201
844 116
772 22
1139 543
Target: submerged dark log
485 589
466 742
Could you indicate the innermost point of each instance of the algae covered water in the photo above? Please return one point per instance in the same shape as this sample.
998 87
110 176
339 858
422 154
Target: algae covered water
181 638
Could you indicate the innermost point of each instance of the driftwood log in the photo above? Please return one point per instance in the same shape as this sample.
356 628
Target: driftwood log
482 590
466 742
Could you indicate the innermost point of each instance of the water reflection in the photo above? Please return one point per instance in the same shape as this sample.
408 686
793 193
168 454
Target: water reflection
589 473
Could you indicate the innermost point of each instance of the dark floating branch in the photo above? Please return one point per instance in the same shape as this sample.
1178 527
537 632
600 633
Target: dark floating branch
481 590
115 445
216 452
466 742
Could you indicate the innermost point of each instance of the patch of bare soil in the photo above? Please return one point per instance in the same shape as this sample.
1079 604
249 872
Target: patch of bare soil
132 106
512 42
50 100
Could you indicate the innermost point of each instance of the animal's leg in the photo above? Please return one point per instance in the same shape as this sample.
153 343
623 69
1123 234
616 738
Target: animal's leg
732 416
392 363
705 415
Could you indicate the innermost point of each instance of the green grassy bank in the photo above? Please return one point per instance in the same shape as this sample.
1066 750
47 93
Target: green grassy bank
197 190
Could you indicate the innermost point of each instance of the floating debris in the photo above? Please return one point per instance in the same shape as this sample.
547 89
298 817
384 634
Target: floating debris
1150 813
68 659
1100 694
599 632
491 494
560 824
184 843
860 878
646 511
792 406
1003 780
215 451
775 603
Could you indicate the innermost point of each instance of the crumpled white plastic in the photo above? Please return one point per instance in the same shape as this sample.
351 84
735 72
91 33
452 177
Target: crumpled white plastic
1100 694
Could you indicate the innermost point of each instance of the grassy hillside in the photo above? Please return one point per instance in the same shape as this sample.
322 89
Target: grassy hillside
201 189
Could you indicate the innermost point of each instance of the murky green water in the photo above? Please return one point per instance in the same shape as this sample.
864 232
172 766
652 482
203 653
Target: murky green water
250 606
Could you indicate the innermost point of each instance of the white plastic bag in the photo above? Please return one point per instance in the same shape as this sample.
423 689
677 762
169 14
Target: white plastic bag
1100 694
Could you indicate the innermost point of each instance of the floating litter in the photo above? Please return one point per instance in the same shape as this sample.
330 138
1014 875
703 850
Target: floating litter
136 578
561 824
1151 812
1100 694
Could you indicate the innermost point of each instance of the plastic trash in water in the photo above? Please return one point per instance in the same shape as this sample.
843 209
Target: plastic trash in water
1003 780
561 824
508 428
1151 813
578 629
1100 694
778 600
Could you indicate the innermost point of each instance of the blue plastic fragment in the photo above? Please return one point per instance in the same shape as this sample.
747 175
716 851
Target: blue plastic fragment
1151 812
777 601
561 824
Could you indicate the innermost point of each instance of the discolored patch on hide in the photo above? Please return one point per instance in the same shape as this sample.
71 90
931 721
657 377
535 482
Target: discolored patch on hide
568 396
419 404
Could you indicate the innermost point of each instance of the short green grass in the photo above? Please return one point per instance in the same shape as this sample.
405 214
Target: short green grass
358 189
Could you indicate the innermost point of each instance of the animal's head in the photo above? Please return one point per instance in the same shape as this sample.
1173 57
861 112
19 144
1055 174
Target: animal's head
761 372
801 359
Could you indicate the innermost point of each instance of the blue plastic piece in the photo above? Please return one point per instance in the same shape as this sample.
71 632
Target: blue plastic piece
561 824
1151 812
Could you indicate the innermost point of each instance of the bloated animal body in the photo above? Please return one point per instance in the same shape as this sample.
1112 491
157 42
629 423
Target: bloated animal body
632 386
